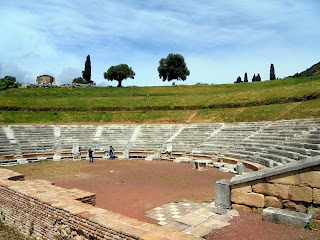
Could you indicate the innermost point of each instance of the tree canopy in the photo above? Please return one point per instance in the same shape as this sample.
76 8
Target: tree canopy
272 73
8 82
119 73
238 80
80 80
173 67
86 74
245 77
256 78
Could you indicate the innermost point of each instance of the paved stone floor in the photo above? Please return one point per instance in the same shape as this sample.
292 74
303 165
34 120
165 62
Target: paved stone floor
172 211
197 219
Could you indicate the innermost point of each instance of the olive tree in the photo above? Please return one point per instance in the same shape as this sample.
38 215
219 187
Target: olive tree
119 73
173 67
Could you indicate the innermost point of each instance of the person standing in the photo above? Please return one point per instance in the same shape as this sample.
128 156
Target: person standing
90 152
111 152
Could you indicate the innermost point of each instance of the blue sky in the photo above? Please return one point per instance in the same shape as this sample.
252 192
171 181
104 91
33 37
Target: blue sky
220 40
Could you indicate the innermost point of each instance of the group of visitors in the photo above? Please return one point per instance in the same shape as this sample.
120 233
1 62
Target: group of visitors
111 154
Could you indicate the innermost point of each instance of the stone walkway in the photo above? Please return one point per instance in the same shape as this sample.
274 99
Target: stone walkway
197 219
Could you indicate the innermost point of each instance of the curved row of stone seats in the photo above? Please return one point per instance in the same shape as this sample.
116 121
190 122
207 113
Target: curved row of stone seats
153 136
34 139
236 140
274 142
193 134
252 158
114 135
228 135
6 147
81 134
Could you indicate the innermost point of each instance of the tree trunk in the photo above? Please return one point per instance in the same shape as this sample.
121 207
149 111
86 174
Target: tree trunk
119 83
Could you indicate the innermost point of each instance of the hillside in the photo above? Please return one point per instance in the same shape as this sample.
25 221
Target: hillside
310 71
270 100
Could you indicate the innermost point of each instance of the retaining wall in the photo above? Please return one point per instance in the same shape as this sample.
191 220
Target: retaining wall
294 186
39 209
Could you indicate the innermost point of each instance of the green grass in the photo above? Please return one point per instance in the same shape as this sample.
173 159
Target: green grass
84 104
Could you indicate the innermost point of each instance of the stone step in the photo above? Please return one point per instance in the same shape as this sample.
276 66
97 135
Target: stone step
282 216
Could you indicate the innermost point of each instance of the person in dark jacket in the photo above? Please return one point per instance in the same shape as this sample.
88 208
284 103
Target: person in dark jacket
111 152
90 153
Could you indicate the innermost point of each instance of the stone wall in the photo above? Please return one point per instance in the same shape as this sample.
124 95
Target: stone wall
294 186
39 209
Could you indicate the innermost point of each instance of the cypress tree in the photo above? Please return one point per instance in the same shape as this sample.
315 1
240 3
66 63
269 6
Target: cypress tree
86 74
254 78
245 77
272 74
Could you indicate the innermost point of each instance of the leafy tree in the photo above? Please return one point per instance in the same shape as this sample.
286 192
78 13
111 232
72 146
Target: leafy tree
8 82
80 80
245 77
86 74
238 80
256 78
173 67
119 73
272 74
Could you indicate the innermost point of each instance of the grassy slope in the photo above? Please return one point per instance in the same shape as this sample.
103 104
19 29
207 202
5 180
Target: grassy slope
162 96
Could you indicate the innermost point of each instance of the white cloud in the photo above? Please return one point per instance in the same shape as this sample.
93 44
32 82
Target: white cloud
219 39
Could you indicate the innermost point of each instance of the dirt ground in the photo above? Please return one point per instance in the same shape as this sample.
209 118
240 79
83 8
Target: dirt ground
134 187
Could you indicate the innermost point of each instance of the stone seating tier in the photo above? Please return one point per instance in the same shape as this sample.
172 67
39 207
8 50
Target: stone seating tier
280 142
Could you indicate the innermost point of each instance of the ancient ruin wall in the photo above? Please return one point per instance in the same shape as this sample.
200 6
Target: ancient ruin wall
295 186
40 209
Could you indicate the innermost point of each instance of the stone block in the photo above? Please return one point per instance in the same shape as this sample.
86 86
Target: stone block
316 195
22 161
219 210
199 231
276 190
240 207
303 194
294 206
191 219
270 201
240 169
257 210
316 224
250 199
315 212
311 178
242 187
126 154
223 169
223 194
290 178
287 217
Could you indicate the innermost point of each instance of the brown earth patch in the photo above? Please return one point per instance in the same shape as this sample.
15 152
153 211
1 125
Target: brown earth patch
132 187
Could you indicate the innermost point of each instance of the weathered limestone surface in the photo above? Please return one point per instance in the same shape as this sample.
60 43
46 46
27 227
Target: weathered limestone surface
311 178
270 201
294 186
223 194
240 207
316 195
277 190
282 216
285 178
250 199
303 194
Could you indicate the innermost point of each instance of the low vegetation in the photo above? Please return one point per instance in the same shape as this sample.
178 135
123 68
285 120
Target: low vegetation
268 100
8 233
